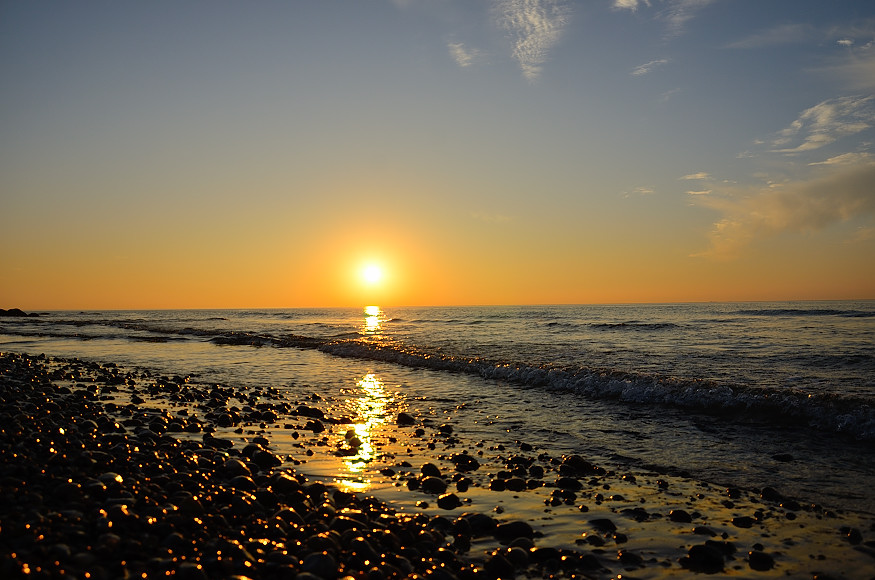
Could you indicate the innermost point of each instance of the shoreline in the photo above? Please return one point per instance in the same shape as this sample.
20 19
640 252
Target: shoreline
112 472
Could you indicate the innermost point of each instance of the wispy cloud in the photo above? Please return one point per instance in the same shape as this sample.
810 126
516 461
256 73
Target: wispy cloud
630 4
699 175
675 13
463 55
534 27
647 67
679 12
826 122
700 192
751 214
791 33
846 159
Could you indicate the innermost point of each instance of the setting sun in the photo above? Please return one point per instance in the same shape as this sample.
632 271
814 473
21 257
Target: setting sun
372 274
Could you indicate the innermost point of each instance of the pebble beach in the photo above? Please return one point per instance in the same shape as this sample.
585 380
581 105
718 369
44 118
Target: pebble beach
117 473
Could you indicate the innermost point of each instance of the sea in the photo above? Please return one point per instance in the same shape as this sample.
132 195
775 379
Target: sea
738 394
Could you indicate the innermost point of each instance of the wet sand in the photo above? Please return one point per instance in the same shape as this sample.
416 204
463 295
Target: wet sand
109 473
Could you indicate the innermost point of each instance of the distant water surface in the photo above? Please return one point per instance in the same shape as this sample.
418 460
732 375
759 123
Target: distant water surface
717 390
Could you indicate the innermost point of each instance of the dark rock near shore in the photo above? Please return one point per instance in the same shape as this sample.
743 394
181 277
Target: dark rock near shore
15 313
703 558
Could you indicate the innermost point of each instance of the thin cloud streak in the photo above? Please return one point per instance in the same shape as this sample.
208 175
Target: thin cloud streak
648 67
535 26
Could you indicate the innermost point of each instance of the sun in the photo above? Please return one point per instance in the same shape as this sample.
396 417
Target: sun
372 274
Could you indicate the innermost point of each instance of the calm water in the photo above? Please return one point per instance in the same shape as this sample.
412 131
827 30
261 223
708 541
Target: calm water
713 389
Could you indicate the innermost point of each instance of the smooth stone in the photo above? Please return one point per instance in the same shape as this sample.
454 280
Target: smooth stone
405 420
760 561
449 501
703 558
681 516
512 530
430 470
433 484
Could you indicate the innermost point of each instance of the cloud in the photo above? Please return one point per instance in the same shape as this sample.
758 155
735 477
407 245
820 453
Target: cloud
630 4
846 159
843 193
534 26
783 34
856 69
675 13
699 175
463 56
826 122
679 12
845 42
702 192
646 68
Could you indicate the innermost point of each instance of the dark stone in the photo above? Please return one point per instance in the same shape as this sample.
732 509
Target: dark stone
405 420
430 470
497 485
433 484
465 462
760 561
513 530
449 501
743 522
515 484
771 494
783 457
603 525
680 516
315 425
703 558
569 483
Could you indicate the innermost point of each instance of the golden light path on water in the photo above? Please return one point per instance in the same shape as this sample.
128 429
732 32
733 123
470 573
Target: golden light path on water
370 407
372 320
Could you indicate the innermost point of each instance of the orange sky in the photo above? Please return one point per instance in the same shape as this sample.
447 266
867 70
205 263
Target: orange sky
154 158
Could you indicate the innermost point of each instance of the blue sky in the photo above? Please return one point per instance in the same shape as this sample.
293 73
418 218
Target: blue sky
724 147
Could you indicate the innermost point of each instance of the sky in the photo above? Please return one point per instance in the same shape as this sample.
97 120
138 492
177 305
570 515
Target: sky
218 154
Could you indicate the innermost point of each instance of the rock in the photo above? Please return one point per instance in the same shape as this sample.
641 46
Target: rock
512 530
603 525
405 420
771 494
497 485
515 484
15 313
449 501
569 483
314 425
430 470
465 462
703 558
680 516
760 561
743 522
322 564
433 484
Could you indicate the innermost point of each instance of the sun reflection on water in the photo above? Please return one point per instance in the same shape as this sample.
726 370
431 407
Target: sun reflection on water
371 409
373 324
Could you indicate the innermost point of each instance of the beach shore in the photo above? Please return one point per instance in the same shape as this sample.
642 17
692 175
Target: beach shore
114 473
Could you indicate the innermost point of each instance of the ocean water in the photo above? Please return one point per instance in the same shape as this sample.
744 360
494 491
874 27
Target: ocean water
723 392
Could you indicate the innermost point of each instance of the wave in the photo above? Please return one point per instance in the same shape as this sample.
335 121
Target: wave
807 312
635 325
841 414
838 413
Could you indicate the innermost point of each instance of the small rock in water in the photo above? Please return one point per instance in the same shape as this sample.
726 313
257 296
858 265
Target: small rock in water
405 420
